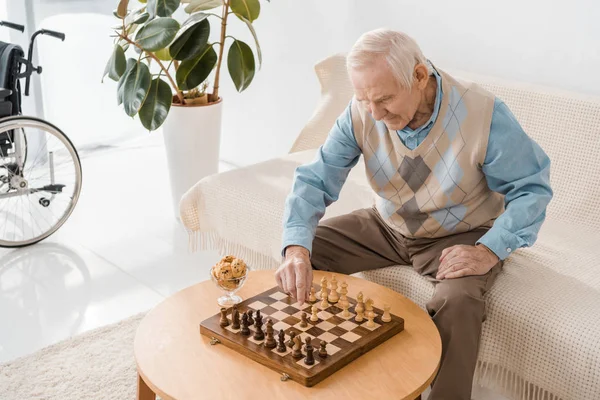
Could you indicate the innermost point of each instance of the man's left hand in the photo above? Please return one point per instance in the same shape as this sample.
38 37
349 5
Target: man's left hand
464 260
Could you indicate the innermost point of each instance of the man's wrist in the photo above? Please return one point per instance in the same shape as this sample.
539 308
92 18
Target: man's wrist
488 250
296 250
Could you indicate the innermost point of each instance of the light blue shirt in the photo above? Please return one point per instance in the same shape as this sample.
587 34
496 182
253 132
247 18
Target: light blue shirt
515 166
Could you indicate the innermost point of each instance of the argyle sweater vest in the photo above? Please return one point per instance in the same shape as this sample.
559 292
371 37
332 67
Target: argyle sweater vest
437 189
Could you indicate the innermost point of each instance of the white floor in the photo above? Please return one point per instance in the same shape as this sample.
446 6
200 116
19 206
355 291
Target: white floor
120 253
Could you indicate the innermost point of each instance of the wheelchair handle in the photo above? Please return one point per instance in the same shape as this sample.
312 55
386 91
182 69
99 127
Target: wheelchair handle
55 34
12 26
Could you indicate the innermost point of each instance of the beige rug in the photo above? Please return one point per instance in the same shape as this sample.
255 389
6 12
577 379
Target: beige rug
95 365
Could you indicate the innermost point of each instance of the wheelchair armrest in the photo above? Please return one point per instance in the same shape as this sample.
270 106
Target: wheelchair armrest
4 93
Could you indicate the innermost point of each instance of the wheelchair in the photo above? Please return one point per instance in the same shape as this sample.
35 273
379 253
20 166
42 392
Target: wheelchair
40 170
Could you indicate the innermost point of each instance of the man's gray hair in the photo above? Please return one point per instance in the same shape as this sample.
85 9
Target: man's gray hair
400 50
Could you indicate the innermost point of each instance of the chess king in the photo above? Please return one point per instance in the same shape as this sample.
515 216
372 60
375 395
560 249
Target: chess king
459 187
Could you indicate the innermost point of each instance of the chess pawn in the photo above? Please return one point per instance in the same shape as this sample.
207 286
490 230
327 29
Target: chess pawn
312 298
345 306
291 341
270 343
250 319
235 318
386 313
303 321
297 350
333 294
324 303
323 350
223 321
370 317
323 287
314 317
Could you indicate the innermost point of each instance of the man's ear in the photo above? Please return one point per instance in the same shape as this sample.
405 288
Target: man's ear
421 76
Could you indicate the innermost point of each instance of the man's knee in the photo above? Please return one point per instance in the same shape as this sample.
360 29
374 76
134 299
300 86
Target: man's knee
456 301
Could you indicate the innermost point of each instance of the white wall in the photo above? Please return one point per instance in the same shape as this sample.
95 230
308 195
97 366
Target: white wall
548 42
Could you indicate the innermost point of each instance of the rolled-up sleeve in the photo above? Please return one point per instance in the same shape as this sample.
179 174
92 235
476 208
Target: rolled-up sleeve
318 184
517 167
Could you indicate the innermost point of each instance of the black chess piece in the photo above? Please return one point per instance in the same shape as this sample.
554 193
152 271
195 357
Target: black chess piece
304 321
291 341
235 318
224 321
270 342
250 319
310 359
297 349
258 333
281 344
245 330
258 318
323 350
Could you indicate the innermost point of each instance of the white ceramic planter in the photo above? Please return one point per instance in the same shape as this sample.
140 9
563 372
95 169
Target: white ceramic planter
192 136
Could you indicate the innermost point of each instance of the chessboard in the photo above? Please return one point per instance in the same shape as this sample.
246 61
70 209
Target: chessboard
346 339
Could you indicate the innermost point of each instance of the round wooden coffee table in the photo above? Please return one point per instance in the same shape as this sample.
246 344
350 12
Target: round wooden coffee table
175 361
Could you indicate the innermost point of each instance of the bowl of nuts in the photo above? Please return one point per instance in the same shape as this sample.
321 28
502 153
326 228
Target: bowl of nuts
229 275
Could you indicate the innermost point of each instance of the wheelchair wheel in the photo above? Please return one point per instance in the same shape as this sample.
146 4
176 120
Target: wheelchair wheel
40 180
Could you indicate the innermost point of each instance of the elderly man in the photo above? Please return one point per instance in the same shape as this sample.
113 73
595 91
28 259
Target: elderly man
460 186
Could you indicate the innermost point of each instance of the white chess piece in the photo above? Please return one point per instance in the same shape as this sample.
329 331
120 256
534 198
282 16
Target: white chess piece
345 306
312 297
359 316
333 294
323 288
344 292
386 313
314 317
370 316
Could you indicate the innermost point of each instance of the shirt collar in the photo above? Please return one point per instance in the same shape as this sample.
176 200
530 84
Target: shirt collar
436 107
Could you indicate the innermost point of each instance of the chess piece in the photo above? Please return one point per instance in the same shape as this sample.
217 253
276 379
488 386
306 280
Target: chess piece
359 316
310 359
270 342
370 316
333 294
360 307
281 347
312 298
245 330
291 341
314 317
250 319
297 350
324 303
323 293
386 313
345 306
258 319
344 291
258 333
235 318
223 321
323 350
368 307
303 322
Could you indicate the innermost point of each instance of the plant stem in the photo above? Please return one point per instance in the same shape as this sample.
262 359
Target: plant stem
215 94
179 93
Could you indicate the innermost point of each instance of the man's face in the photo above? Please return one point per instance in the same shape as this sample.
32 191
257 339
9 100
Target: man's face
379 91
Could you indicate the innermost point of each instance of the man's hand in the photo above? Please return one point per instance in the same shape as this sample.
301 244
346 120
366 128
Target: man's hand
463 260
295 275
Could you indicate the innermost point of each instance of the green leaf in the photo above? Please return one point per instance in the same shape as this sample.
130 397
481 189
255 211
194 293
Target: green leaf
249 9
131 63
116 65
163 54
136 88
240 62
192 37
162 8
202 5
193 72
258 51
122 8
156 107
157 34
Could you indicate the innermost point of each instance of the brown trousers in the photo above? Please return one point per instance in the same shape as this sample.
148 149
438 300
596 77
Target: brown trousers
362 241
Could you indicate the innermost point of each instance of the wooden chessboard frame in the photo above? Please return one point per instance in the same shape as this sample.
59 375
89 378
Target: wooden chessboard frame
287 367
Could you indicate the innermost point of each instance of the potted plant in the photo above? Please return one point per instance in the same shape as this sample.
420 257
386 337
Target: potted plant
165 80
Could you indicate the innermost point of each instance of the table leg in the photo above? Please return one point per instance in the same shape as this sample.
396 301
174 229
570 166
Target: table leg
418 398
143 391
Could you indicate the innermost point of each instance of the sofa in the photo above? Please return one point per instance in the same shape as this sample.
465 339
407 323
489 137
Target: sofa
541 339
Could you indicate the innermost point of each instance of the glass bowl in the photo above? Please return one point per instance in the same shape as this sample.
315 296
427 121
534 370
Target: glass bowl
229 286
